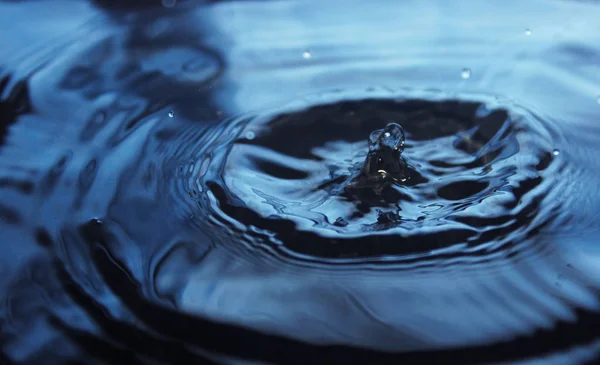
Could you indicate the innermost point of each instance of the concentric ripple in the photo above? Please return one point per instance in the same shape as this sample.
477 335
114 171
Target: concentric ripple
479 171
152 211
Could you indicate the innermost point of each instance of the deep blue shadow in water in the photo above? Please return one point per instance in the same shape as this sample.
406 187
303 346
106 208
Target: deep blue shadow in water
175 329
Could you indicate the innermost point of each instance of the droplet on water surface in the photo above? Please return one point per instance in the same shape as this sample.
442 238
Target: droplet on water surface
466 73
383 165
306 189
393 137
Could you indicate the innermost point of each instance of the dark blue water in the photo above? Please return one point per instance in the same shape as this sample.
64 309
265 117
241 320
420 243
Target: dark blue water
211 182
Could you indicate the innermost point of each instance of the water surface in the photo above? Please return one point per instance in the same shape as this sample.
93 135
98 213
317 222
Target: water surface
176 182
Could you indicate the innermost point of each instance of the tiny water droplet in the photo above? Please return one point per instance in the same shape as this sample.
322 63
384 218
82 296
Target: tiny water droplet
250 135
306 55
171 114
466 73
556 152
527 31
392 136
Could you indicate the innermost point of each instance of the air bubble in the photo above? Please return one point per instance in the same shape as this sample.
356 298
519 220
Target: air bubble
556 152
171 114
466 73
306 55
528 32
250 135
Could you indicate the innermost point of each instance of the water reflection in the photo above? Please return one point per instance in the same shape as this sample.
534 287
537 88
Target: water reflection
173 182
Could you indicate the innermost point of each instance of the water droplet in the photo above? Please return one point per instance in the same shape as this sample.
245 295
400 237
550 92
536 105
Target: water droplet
306 55
392 137
171 114
466 73
383 164
556 152
250 135
527 31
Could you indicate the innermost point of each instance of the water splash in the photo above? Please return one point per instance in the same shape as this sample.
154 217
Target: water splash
384 165
433 196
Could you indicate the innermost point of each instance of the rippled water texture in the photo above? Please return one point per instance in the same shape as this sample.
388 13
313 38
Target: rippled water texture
212 182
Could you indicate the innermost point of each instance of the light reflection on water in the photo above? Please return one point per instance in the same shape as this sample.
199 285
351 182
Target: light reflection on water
157 167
